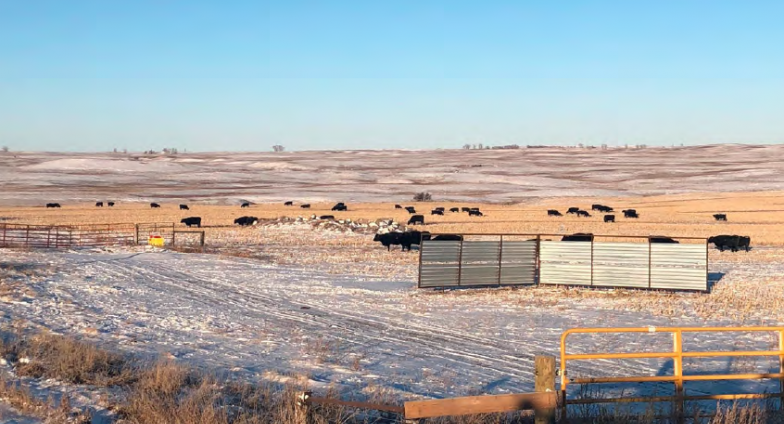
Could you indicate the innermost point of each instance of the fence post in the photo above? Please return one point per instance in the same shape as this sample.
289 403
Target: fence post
302 408
136 235
544 382
460 265
202 239
678 374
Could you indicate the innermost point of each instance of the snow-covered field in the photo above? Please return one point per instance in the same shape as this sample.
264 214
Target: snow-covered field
388 175
260 321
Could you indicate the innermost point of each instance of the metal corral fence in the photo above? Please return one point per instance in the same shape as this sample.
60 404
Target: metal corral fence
93 235
525 259
677 375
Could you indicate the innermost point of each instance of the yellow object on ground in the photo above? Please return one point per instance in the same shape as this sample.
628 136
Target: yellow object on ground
156 241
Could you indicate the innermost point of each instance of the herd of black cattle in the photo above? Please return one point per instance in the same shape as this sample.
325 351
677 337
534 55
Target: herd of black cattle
406 239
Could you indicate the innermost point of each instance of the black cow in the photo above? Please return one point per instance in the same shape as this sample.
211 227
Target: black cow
553 212
436 212
98 204
662 239
184 208
416 219
732 243
583 213
52 205
720 217
454 209
465 209
404 239
398 207
246 221
388 239
154 205
305 206
473 212
440 209
609 218
410 209
288 204
572 210
340 207
245 205
601 208
630 213
111 204
578 237
447 237
192 221
325 217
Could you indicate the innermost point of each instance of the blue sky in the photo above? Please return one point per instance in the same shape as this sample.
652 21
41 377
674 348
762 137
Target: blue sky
91 75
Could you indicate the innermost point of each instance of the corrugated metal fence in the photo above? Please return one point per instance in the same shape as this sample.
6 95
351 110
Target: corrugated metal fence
679 266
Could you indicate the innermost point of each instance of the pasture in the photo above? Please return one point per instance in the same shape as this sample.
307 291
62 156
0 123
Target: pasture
297 302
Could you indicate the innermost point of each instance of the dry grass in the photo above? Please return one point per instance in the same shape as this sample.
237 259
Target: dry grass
169 393
51 356
757 214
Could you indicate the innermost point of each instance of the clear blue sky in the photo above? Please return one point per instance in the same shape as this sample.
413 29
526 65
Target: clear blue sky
244 75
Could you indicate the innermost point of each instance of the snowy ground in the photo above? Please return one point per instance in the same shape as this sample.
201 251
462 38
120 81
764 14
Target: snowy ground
260 321
388 175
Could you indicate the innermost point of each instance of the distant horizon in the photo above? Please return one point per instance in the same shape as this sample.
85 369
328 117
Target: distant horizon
270 151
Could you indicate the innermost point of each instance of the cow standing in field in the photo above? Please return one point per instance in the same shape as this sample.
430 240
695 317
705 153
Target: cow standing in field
406 239
193 221
184 208
662 239
553 212
720 217
245 205
288 204
731 242
609 218
246 221
340 207
578 237
110 204
436 212
583 213
398 207
572 210
416 219
154 206
630 213
305 206
410 209
465 209
98 204
52 205
476 212
454 209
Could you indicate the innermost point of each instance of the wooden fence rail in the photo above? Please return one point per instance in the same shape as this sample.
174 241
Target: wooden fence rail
543 403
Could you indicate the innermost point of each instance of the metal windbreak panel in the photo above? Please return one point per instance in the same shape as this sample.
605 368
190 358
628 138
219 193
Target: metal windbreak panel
518 262
620 264
565 263
679 266
480 263
439 264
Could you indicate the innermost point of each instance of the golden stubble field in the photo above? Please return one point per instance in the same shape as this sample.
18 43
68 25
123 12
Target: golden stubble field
759 215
